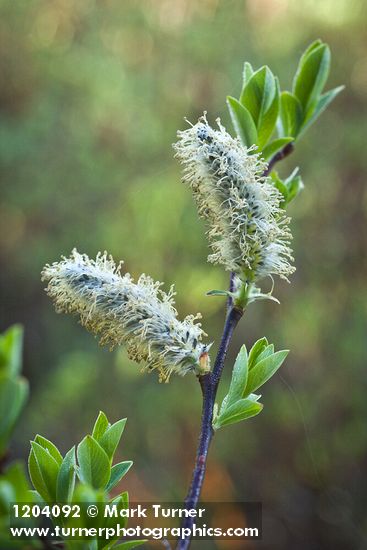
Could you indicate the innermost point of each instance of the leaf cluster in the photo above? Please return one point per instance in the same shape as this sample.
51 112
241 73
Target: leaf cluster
270 118
85 474
250 372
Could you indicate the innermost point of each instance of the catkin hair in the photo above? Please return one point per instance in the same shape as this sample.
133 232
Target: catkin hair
248 230
138 314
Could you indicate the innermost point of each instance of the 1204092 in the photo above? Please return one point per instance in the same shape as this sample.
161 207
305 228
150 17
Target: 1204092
54 511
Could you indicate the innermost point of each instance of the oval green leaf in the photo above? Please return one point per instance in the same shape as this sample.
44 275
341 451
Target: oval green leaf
263 370
94 464
242 121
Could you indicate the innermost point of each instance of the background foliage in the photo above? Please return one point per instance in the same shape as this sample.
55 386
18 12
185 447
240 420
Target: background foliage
91 96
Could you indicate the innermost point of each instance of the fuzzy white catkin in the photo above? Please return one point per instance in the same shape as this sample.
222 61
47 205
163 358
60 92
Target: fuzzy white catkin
248 229
139 315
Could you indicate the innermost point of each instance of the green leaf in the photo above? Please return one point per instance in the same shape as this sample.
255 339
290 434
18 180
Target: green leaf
238 380
11 347
240 410
13 395
323 102
268 120
280 185
218 293
43 471
7 495
275 146
130 544
239 377
34 496
66 478
248 71
16 477
269 350
291 115
14 487
50 447
308 50
85 493
242 122
100 426
109 522
258 347
289 188
311 75
260 97
111 437
259 93
294 188
294 185
264 369
94 464
117 473
125 499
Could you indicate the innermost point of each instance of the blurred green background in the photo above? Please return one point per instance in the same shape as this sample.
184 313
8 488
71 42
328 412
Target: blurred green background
91 96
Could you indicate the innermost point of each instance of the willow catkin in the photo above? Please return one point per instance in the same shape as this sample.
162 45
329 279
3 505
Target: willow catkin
121 311
248 230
